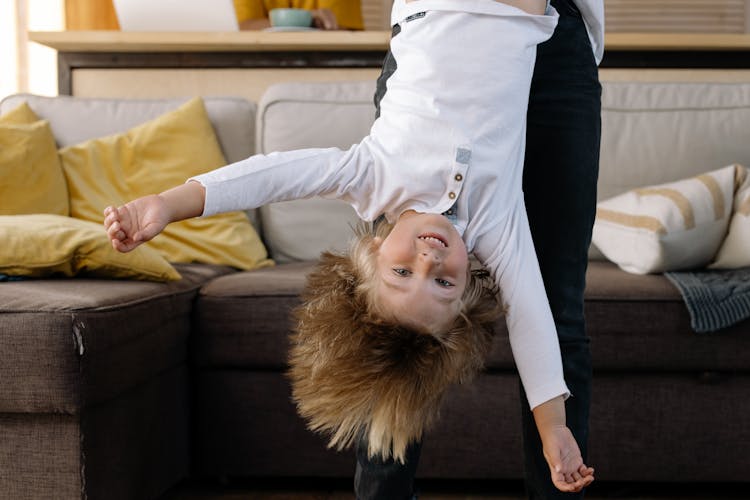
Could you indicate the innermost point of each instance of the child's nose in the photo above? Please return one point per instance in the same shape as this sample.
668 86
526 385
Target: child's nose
429 258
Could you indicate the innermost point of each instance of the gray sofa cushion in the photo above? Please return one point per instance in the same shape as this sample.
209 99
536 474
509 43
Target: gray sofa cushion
311 115
656 132
244 319
78 342
662 339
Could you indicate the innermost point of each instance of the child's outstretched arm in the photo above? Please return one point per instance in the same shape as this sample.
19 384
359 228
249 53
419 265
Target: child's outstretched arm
141 219
561 451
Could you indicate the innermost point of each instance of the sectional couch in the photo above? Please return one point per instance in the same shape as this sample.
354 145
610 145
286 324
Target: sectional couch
120 389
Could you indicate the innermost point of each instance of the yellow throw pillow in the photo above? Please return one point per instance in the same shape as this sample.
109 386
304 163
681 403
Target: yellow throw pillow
20 115
669 227
735 250
31 178
151 158
47 245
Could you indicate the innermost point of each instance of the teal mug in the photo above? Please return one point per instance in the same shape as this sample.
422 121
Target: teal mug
290 18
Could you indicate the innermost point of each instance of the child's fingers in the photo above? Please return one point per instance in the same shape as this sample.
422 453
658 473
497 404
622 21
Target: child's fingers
119 246
123 245
575 481
585 471
110 215
114 231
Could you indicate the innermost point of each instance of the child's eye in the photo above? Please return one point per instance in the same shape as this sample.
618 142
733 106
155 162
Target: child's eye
401 271
443 283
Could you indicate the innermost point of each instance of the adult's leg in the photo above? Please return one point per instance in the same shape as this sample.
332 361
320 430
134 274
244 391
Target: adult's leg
378 479
560 175
374 478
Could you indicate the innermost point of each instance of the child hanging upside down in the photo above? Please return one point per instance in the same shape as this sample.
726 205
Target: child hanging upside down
385 328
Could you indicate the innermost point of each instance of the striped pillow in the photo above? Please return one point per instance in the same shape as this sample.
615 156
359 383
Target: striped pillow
668 227
735 251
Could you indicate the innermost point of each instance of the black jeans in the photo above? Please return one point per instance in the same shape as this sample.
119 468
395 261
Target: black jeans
560 176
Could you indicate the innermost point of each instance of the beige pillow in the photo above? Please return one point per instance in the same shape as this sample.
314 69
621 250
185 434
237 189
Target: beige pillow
47 245
31 178
667 227
735 251
151 158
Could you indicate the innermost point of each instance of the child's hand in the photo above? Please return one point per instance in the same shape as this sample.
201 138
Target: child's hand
561 451
136 222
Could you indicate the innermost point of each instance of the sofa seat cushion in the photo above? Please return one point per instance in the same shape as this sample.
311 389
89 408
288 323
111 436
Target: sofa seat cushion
640 322
78 342
243 321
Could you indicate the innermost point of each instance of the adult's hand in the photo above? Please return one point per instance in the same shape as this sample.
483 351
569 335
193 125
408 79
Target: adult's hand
324 19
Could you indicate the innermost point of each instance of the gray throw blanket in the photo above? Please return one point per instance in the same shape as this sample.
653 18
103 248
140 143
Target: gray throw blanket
5 277
715 299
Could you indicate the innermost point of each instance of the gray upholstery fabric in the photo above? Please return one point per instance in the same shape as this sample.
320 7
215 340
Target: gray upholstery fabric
94 400
659 389
39 456
244 319
80 342
241 410
641 323
137 446
667 426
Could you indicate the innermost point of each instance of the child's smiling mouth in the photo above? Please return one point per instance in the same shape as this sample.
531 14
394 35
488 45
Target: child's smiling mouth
434 240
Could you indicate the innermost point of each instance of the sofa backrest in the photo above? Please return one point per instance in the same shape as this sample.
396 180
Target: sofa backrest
308 115
651 133
654 133
76 119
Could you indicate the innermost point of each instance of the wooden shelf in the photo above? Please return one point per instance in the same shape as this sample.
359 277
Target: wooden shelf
344 49
243 41
263 41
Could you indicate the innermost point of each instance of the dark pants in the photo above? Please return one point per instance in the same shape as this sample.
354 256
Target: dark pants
560 175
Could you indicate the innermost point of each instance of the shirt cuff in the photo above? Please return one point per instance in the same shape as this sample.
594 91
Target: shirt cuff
545 393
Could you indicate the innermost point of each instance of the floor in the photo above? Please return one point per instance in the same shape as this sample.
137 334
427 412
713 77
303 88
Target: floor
341 490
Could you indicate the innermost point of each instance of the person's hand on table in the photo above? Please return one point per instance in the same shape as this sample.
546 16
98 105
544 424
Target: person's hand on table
324 19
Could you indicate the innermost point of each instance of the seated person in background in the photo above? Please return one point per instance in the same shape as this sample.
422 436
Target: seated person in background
327 14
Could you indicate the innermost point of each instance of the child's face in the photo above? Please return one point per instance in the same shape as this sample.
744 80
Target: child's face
423 267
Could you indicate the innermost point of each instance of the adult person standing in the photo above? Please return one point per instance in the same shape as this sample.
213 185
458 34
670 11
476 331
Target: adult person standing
560 176
327 14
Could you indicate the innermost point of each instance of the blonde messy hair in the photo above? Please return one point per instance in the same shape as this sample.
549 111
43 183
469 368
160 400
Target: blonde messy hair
355 372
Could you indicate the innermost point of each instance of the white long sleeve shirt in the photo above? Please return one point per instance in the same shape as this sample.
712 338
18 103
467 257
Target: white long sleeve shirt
451 133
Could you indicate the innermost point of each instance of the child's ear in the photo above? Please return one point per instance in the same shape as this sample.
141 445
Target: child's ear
376 242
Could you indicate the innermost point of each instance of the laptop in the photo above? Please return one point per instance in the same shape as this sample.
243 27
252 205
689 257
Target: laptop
176 15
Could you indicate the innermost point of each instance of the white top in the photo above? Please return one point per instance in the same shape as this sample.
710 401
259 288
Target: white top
591 10
593 16
451 133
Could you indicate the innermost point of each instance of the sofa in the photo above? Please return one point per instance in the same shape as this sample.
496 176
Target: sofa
118 388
